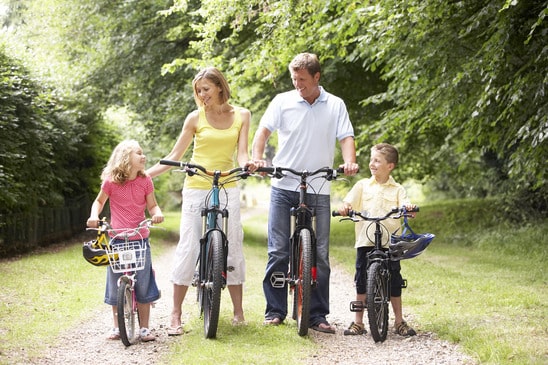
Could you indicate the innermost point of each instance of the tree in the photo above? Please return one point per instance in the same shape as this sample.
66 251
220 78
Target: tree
465 80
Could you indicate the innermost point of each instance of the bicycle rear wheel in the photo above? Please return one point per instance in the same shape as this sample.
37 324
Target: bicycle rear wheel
303 285
127 313
377 300
213 283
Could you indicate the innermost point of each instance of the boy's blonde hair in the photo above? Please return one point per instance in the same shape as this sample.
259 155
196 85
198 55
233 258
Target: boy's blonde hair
216 77
388 151
118 167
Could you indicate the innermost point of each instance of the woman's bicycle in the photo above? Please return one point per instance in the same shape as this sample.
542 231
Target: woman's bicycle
407 245
125 251
212 261
302 274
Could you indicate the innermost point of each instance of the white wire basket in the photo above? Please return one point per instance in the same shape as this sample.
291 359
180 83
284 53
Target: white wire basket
126 255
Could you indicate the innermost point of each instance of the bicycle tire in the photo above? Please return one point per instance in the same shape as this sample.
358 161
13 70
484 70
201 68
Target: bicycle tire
126 313
213 283
377 300
303 286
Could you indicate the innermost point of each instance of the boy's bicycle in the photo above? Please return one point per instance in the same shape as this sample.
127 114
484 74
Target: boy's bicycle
212 262
405 246
125 252
302 274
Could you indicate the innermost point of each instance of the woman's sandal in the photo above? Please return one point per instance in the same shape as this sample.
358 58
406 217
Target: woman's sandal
175 331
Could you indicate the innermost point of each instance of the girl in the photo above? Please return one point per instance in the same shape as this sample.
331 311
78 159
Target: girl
130 191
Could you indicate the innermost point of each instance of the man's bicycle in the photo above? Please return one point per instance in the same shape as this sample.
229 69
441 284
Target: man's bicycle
302 273
212 260
405 246
125 252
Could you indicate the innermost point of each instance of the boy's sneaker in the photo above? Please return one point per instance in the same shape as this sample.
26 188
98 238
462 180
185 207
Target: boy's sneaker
146 335
355 329
403 329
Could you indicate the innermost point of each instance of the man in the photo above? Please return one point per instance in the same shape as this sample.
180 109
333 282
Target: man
309 121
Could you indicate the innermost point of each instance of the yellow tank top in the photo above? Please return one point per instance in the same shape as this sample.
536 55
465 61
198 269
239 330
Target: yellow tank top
214 148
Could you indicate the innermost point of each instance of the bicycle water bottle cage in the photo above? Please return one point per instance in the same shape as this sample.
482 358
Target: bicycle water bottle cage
277 279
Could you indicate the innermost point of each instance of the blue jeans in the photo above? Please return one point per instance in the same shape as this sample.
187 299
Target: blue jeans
278 253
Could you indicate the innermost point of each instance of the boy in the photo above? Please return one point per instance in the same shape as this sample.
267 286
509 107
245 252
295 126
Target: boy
377 195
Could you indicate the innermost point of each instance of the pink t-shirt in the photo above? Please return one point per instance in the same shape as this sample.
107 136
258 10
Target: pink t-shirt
128 202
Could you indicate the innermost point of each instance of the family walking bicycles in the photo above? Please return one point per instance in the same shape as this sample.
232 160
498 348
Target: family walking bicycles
309 122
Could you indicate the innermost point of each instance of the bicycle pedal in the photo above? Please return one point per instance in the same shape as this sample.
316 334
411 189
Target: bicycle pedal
277 279
357 306
404 283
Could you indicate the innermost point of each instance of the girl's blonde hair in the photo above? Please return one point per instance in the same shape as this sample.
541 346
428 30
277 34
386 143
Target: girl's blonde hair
118 167
214 76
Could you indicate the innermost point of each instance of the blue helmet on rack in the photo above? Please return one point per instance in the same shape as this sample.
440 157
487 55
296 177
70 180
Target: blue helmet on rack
409 244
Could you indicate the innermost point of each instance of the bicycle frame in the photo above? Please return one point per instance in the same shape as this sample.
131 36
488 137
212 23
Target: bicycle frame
378 275
302 270
210 215
212 259
126 253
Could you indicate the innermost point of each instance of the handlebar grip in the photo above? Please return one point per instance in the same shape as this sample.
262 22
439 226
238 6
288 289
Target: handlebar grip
414 210
335 213
268 170
171 163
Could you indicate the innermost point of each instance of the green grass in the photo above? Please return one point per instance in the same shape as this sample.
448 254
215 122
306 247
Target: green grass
251 344
482 283
48 292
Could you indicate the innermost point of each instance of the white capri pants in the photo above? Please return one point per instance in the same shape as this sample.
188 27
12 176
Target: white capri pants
188 248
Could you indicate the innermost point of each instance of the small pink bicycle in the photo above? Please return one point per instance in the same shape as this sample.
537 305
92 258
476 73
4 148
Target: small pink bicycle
126 254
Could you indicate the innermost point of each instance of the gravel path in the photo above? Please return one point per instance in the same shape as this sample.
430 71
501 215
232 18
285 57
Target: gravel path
90 346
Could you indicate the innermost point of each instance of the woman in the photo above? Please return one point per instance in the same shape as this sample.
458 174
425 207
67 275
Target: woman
218 129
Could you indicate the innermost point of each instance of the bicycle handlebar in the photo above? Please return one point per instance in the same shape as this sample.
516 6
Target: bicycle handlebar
352 214
278 172
189 166
104 226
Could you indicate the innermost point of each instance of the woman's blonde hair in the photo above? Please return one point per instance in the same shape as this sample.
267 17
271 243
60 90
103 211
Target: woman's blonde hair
216 77
118 167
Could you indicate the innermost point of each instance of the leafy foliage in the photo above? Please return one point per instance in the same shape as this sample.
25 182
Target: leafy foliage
458 86
464 95
44 155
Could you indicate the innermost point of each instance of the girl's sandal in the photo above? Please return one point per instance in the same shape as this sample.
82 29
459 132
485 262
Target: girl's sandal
114 334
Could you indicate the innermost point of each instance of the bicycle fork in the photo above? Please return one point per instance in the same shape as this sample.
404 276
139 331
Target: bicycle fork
210 217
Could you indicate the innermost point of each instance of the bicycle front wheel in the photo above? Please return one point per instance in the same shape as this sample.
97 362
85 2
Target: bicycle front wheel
213 283
377 300
127 313
303 284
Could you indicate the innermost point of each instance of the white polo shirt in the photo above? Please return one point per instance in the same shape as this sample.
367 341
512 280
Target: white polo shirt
307 134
